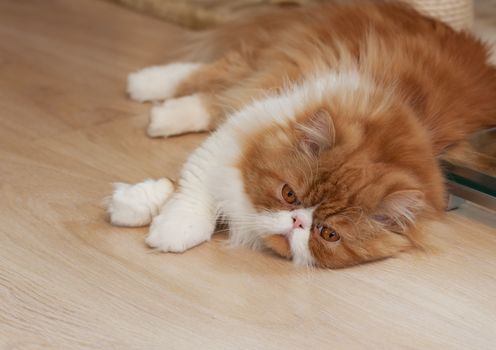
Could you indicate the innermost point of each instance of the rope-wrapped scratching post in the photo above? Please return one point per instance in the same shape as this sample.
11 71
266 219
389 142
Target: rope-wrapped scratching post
457 13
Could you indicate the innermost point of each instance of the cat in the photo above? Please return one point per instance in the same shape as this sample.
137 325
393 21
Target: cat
326 123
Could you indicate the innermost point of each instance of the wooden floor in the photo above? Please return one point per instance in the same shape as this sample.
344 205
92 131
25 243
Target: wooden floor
68 279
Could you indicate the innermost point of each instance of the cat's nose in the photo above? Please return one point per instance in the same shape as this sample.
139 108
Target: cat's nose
297 222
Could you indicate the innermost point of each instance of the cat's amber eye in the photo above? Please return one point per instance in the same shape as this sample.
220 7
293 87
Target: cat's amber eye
328 233
289 195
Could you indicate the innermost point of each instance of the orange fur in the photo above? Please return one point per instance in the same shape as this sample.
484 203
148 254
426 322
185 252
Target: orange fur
429 87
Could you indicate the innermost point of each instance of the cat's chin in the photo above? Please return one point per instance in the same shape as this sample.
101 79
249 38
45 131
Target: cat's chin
278 243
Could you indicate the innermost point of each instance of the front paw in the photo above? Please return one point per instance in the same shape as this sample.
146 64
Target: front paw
177 230
135 205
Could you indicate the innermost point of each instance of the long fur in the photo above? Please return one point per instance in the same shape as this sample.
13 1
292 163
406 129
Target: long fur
349 104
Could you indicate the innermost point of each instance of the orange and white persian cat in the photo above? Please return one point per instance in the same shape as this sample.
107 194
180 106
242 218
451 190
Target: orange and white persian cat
328 123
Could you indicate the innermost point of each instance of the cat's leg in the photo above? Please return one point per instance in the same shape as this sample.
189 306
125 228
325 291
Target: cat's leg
184 78
180 115
159 82
199 89
189 217
136 205
182 224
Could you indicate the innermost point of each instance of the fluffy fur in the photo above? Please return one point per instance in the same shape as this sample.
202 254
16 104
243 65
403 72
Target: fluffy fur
348 104
136 205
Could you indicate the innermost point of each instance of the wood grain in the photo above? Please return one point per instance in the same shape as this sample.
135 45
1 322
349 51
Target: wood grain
70 280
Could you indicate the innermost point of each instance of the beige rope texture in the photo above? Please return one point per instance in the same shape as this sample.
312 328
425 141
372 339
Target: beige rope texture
457 13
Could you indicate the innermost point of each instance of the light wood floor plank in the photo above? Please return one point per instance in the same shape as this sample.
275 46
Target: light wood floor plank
69 280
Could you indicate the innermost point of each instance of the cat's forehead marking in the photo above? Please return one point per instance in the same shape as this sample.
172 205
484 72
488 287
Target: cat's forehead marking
321 191
330 208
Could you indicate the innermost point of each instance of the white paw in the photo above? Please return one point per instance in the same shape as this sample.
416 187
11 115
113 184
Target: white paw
158 82
135 205
178 116
177 229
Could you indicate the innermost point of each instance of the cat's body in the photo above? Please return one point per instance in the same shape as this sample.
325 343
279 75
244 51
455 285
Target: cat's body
329 120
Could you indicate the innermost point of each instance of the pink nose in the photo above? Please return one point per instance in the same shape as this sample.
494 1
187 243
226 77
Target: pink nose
297 222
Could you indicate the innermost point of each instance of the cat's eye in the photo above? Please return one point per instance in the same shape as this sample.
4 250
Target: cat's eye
327 233
289 195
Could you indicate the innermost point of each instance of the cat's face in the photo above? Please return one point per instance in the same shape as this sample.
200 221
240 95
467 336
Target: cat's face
337 192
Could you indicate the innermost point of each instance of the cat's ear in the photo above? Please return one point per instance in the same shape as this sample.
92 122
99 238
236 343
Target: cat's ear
399 210
317 133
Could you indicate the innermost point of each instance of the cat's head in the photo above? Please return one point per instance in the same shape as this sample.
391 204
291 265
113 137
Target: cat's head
341 182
